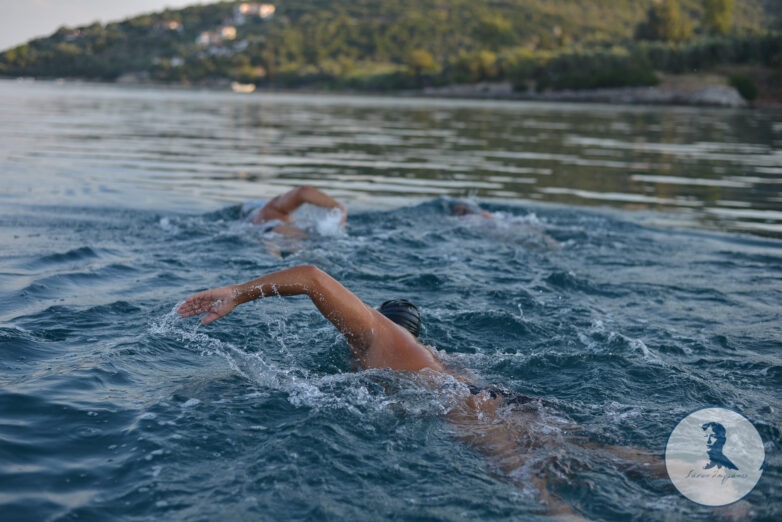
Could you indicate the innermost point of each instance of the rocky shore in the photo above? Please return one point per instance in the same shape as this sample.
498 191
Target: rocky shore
706 92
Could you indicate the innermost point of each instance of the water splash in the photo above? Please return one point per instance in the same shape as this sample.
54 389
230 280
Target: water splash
329 225
599 339
355 392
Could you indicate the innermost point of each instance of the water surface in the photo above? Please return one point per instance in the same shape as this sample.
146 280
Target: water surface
116 204
715 168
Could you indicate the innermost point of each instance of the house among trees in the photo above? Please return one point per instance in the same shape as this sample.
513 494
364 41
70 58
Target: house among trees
73 35
207 38
164 26
227 32
169 25
247 9
216 38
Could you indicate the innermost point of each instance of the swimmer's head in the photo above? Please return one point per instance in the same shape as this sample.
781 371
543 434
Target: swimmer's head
461 209
467 208
404 313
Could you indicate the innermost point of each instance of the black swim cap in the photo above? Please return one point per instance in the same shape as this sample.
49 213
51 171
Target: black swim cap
404 313
460 209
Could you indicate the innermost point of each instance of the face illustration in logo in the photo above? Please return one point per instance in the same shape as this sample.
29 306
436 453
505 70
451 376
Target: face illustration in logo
715 441
714 456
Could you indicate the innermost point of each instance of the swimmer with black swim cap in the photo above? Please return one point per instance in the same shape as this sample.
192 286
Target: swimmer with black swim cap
404 313
376 341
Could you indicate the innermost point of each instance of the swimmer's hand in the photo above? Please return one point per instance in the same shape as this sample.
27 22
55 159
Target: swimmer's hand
344 211
215 303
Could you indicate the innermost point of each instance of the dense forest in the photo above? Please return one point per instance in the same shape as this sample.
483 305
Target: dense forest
363 44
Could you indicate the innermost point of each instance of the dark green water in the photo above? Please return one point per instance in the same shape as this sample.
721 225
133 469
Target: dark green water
117 204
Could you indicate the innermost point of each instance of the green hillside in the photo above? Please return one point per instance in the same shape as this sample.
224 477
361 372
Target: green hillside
407 44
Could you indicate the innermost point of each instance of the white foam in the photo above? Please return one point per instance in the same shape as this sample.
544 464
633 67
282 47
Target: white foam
358 393
598 337
302 388
618 412
329 225
168 226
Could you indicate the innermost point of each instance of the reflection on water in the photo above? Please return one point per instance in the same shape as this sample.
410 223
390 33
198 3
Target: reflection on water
185 149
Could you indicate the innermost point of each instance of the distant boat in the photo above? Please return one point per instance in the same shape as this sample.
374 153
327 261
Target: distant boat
244 88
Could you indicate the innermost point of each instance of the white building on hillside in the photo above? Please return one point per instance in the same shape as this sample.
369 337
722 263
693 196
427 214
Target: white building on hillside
227 32
248 9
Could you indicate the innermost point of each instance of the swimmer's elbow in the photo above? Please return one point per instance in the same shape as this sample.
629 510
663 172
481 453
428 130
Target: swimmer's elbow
311 274
311 270
303 193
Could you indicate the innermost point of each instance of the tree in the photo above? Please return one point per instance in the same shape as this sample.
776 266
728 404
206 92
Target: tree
422 62
665 21
16 58
478 66
494 32
718 15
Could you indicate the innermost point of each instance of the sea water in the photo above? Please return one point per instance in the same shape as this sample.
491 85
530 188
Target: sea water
113 407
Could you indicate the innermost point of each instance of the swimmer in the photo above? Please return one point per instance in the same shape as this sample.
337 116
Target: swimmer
277 212
387 337
460 209
504 228
376 340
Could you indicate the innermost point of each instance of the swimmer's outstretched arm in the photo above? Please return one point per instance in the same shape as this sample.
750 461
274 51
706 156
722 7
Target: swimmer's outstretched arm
375 341
292 200
354 319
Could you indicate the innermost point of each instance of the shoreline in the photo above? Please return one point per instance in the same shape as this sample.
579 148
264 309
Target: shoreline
714 96
683 90
688 93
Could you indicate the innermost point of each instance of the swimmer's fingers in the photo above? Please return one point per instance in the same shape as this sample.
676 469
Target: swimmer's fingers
215 303
212 316
196 304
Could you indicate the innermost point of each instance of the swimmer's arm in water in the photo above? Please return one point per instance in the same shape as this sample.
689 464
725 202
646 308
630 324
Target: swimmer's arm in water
354 319
374 339
290 201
